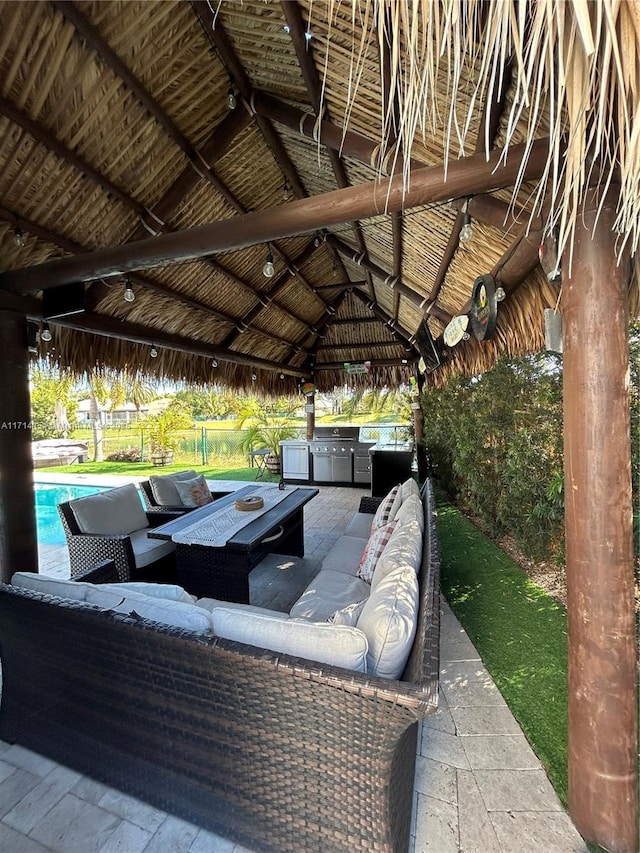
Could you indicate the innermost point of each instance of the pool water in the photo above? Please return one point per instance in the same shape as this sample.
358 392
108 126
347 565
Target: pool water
48 496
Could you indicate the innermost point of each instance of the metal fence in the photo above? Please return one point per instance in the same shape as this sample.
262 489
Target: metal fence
223 447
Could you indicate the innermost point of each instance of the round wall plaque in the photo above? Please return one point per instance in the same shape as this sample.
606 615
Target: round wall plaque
454 332
484 310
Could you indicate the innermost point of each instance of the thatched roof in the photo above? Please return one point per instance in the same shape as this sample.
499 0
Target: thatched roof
121 156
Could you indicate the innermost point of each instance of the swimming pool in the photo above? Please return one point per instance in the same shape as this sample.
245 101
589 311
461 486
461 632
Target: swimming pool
48 496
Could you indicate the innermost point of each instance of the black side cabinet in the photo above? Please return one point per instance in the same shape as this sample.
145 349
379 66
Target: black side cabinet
390 465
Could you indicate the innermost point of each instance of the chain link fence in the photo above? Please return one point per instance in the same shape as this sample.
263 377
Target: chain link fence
223 447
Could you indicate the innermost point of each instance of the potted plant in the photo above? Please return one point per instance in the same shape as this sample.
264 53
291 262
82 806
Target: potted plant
161 433
266 434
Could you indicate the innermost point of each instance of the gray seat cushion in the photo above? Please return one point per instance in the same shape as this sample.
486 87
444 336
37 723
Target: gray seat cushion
328 591
360 525
345 555
147 551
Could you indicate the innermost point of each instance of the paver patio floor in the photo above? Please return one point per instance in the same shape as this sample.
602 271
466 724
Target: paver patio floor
478 785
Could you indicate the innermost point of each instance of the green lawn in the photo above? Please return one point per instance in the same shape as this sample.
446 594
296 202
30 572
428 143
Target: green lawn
144 469
519 631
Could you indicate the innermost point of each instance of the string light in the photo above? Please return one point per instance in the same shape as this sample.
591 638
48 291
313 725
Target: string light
268 269
45 334
153 352
500 294
231 100
466 232
286 191
214 362
18 238
253 377
129 295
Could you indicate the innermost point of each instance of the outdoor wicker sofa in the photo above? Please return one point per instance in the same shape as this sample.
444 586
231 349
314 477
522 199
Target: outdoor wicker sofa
277 753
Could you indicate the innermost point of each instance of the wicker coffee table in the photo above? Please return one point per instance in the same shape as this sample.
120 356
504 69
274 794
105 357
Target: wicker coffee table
223 572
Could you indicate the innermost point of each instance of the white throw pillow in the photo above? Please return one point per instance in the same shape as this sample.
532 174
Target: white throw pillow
116 512
373 549
348 615
404 548
194 492
50 586
175 613
163 486
389 619
409 487
331 644
411 510
169 591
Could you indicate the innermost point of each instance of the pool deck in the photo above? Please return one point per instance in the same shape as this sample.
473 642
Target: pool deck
478 784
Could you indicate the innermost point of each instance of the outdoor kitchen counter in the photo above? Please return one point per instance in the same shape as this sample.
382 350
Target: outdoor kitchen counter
390 465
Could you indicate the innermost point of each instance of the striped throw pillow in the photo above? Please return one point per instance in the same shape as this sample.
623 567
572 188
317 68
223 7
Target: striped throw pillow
383 513
374 548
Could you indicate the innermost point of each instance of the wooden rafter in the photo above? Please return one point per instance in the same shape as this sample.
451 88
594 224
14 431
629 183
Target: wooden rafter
469 175
304 54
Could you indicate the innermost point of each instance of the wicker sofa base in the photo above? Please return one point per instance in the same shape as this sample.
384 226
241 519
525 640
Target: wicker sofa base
277 753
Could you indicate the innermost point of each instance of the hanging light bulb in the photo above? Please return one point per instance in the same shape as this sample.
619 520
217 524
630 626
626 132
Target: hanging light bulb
129 295
466 232
282 376
214 362
500 294
268 269
286 191
45 334
253 377
153 352
231 99
18 238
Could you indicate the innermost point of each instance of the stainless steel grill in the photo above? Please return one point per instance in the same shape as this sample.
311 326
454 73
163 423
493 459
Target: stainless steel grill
333 450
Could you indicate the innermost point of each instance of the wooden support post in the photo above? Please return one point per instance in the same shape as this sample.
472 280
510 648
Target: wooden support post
310 400
18 538
603 713
418 428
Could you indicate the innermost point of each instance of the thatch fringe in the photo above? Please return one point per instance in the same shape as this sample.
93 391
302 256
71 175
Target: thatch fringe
576 67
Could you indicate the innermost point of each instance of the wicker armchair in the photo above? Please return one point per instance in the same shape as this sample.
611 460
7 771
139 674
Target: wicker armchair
154 561
153 505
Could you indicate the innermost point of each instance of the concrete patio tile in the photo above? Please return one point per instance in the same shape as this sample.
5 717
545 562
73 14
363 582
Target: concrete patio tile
89 790
474 824
14 842
127 838
436 780
28 760
36 804
74 826
517 790
461 650
500 752
132 810
486 720
472 694
207 842
528 832
6 770
436 826
174 834
14 787
445 748
466 672
440 719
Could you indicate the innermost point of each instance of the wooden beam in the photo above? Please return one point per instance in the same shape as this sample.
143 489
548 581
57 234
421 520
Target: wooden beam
111 327
375 362
466 176
348 142
403 335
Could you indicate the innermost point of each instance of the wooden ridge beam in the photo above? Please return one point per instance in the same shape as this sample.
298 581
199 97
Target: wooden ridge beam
467 176
111 327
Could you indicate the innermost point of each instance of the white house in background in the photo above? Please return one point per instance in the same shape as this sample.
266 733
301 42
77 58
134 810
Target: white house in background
123 415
